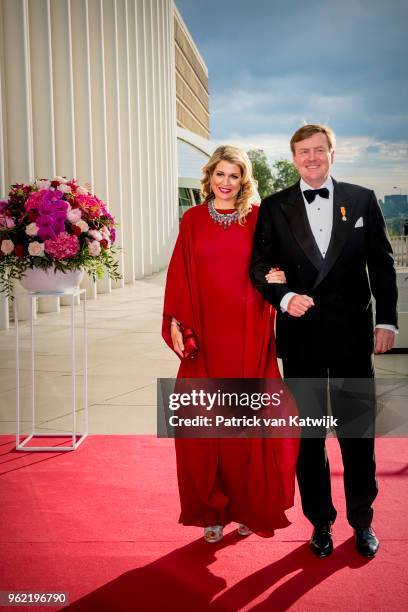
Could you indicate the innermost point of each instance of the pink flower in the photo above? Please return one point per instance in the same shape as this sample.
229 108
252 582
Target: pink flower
83 225
94 248
34 200
91 206
36 249
31 229
95 234
6 221
7 247
63 247
74 215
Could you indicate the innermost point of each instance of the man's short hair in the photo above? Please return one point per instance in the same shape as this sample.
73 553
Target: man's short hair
306 131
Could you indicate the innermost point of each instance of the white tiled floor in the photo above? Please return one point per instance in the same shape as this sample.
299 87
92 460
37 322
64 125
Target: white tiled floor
126 355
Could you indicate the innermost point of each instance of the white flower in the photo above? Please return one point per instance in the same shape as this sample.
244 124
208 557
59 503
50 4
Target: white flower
36 249
60 179
43 184
83 225
95 234
82 191
64 188
74 215
105 232
7 247
94 248
31 229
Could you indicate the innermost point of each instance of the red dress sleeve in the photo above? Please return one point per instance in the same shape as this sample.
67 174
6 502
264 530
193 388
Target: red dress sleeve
180 284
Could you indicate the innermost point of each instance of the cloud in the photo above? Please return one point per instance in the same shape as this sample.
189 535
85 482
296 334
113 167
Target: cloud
276 65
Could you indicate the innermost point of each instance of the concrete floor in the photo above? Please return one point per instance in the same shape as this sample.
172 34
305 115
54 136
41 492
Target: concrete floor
126 355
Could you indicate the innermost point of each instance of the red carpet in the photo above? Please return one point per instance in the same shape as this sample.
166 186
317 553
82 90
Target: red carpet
101 524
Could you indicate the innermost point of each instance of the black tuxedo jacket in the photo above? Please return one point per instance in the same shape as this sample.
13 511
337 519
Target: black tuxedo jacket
358 263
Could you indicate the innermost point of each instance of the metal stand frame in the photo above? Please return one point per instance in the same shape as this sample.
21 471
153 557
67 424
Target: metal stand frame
73 434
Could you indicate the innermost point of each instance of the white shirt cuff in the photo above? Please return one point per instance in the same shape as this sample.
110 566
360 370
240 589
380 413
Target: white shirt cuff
286 299
385 326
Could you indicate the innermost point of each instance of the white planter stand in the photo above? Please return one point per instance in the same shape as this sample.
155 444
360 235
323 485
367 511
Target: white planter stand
75 441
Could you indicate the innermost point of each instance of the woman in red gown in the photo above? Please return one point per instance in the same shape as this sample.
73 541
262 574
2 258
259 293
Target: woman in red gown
208 291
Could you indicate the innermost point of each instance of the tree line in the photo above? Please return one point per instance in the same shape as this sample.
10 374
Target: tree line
273 178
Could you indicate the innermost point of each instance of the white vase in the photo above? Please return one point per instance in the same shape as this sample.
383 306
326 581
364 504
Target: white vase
38 280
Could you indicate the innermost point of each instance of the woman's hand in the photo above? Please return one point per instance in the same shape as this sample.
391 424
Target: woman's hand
275 275
176 338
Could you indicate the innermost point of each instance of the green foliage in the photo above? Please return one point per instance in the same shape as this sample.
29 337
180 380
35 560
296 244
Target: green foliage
284 175
261 171
281 175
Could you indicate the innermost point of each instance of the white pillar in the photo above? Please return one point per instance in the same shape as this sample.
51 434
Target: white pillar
90 285
174 215
17 96
98 113
151 120
126 142
42 104
113 121
135 127
4 303
82 92
63 83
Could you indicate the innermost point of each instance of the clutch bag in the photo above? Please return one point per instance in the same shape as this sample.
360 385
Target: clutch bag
189 341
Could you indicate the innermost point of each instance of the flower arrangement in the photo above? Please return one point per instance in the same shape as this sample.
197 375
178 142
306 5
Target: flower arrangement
54 224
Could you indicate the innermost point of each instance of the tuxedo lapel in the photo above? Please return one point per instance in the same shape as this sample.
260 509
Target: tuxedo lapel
295 212
343 224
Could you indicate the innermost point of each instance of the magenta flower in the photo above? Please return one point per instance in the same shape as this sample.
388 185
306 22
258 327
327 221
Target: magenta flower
63 247
34 200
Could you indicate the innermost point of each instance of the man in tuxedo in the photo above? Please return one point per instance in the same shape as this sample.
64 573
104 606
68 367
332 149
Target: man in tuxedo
331 241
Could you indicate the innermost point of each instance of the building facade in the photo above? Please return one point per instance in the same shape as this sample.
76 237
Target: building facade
88 90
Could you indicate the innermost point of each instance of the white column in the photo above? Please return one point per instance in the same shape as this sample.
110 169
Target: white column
63 81
17 96
82 92
145 193
125 141
135 127
98 114
151 120
82 107
163 54
4 304
42 105
113 121
90 285
172 130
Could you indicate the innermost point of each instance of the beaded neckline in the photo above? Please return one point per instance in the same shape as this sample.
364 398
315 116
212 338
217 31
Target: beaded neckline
223 219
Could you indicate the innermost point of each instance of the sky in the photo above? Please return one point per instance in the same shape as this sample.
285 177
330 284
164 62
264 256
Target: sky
276 64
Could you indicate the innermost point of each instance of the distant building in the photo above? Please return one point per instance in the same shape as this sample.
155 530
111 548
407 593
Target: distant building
192 106
396 200
395 206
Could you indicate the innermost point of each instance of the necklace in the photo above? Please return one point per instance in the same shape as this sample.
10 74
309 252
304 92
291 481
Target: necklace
223 219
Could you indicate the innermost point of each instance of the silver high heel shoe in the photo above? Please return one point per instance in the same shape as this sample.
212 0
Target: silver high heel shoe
213 534
243 530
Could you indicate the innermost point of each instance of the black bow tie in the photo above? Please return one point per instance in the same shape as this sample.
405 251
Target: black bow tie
310 194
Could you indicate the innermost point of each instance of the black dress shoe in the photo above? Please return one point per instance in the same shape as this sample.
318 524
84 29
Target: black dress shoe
321 543
366 542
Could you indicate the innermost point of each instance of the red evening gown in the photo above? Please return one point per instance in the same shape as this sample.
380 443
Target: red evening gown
247 480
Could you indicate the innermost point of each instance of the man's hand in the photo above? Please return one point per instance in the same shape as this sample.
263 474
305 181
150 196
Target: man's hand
299 304
384 340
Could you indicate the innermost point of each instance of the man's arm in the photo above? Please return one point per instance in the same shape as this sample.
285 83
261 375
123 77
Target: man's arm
265 257
380 265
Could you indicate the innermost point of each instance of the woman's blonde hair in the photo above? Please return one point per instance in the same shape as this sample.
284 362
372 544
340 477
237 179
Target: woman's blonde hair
248 183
